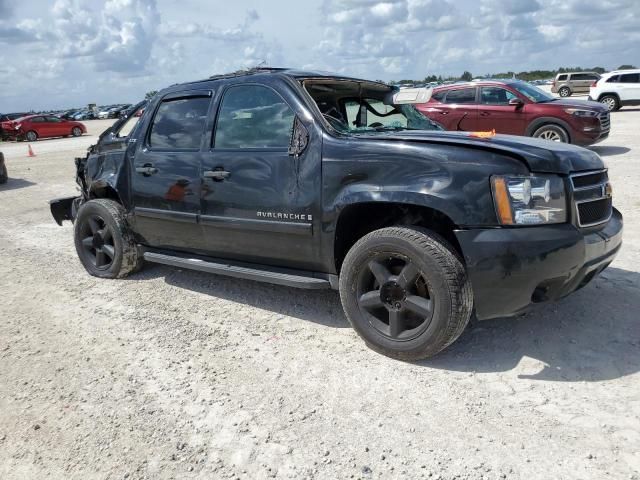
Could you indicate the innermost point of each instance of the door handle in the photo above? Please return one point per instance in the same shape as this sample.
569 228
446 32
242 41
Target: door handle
147 169
217 175
484 114
443 112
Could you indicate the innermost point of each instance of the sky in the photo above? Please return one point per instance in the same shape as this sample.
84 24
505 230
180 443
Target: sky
66 53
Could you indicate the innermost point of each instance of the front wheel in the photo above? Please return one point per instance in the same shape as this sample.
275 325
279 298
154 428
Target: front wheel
405 292
31 136
555 133
104 241
611 102
76 131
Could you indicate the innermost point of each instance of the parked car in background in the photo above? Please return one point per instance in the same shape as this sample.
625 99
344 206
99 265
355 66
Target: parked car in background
517 108
617 89
33 127
85 115
566 84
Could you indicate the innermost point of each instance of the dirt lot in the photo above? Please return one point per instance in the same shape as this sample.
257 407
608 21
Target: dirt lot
177 374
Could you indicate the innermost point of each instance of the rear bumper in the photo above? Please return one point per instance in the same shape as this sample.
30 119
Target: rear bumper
512 268
64 208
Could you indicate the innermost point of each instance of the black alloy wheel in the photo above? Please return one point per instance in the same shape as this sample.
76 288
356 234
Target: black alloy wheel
98 246
395 296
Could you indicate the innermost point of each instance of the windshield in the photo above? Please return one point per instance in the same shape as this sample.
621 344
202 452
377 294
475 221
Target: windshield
533 93
364 108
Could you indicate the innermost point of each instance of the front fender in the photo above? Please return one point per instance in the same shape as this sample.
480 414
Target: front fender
359 195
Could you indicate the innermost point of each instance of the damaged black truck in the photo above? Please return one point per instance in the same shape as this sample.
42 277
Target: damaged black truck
315 181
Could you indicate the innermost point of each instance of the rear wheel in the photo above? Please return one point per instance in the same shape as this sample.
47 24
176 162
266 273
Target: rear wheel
104 241
405 292
555 133
31 136
611 102
76 131
564 92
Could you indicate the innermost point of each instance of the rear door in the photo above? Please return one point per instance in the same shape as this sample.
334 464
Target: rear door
166 171
261 203
40 126
458 110
494 111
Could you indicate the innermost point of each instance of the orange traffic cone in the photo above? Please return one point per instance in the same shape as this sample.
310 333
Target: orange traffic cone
31 154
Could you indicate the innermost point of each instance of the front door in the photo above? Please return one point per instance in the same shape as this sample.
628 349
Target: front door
494 112
166 172
259 202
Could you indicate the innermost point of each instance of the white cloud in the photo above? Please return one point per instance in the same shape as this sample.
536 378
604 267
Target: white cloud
115 50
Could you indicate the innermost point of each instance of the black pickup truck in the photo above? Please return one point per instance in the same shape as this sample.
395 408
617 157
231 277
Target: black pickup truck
312 180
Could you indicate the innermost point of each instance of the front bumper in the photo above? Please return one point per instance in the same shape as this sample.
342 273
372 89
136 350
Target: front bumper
512 268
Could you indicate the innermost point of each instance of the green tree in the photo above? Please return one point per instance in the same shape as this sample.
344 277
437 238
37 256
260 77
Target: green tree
466 76
150 94
626 67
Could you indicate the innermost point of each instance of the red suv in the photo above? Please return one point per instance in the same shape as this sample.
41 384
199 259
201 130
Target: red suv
516 108
33 127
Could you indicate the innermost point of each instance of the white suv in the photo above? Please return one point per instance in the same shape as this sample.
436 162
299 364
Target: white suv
617 89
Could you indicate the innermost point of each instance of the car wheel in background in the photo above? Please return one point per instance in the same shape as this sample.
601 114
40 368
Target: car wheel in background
564 92
611 102
76 131
555 133
31 136
405 291
104 241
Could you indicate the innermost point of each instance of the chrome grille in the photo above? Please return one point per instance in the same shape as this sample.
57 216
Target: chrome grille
605 121
592 197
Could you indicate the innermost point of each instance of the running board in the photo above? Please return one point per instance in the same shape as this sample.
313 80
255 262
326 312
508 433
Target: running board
269 276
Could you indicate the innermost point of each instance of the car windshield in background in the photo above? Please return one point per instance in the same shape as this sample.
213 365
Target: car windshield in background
533 93
364 108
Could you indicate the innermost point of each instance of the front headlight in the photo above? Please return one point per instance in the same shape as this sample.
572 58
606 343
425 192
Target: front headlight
580 112
529 200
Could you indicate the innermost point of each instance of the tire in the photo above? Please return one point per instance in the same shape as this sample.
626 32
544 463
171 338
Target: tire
76 131
564 92
4 175
31 136
552 132
611 102
422 291
104 241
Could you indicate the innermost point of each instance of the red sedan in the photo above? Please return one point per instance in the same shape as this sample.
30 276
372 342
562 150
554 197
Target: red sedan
33 127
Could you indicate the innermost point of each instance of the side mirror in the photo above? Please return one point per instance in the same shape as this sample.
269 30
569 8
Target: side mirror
516 102
299 138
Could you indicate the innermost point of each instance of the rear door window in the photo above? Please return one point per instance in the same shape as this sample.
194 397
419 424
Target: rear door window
253 116
179 123
613 79
461 96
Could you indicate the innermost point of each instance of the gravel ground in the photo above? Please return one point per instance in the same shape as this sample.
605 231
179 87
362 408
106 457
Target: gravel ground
179 374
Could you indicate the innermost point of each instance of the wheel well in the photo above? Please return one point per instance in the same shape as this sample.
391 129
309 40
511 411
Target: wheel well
105 192
537 127
611 94
357 220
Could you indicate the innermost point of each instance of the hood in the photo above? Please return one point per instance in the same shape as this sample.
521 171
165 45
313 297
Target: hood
542 156
585 104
